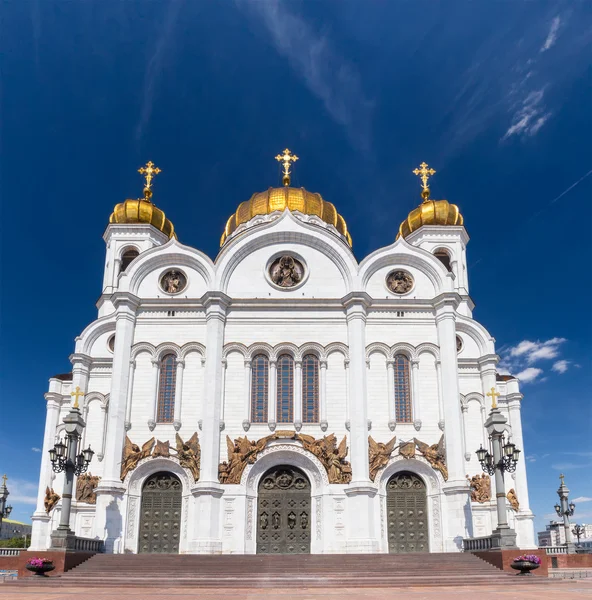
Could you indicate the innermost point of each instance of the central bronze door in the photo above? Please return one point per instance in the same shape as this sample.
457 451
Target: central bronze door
283 512
406 503
160 514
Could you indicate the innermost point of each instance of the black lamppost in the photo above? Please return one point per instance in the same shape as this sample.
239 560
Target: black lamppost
565 510
501 458
65 457
4 510
578 531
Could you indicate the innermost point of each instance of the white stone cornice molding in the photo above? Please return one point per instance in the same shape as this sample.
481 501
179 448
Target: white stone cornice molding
55 399
82 360
448 300
216 303
125 300
356 304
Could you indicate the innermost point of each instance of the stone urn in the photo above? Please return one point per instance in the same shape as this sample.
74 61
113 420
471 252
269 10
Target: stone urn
41 569
524 567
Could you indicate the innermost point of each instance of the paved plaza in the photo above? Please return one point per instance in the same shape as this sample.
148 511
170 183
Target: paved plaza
566 590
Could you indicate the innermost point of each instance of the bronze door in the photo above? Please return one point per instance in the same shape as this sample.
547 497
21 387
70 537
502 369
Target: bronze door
160 520
406 504
283 512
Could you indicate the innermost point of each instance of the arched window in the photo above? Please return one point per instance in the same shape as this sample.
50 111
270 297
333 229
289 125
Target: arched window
166 389
310 389
127 257
444 258
259 388
285 389
403 410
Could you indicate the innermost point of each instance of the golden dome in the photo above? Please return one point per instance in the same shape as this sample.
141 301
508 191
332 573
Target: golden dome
142 211
431 212
278 199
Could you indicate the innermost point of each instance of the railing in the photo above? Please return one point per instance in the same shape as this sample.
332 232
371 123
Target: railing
554 549
477 544
89 545
11 551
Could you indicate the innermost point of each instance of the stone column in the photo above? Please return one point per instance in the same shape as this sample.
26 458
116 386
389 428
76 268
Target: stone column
456 489
440 402
390 386
247 395
223 400
155 373
298 395
360 492
323 394
178 394
101 452
41 520
415 394
272 395
130 391
109 517
207 535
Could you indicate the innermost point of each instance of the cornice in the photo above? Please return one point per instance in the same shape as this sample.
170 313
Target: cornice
125 300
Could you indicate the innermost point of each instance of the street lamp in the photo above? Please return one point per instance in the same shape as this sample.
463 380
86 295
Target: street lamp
565 510
502 457
4 493
65 457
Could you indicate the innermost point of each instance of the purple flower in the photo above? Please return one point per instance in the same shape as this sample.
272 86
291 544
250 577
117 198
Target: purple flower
38 563
533 558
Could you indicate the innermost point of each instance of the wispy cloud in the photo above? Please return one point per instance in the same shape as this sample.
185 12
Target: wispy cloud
529 374
36 449
561 366
23 492
327 74
529 116
581 499
552 36
534 351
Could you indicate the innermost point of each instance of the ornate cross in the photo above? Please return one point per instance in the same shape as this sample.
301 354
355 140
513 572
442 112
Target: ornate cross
562 476
149 172
493 395
77 393
286 158
4 478
424 174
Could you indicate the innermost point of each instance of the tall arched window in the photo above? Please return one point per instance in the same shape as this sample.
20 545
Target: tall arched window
285 389
403 408
259 388
310 389
166 389
127 257
444 257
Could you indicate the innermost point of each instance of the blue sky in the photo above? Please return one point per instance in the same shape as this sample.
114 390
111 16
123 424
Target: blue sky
495 96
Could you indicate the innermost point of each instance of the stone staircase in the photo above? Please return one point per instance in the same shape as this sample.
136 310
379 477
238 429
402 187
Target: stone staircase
282 571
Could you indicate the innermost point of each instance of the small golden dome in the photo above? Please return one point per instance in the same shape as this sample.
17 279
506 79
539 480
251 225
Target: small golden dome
142 211
431 212
278 199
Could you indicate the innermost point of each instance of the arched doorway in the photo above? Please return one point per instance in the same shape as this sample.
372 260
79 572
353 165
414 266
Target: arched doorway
406 503
283 512
160 514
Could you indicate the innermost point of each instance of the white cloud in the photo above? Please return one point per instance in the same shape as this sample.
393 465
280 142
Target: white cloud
529 116
530 458
21 491
581 499
561 366
529 374
36 449
552 35
533 351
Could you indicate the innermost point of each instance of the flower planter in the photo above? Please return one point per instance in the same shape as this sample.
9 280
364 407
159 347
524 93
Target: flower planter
40 571
524 566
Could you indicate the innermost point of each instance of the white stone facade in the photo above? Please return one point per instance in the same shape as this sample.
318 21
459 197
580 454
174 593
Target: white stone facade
229 311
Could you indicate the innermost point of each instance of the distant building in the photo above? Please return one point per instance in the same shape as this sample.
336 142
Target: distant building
554 534
11 529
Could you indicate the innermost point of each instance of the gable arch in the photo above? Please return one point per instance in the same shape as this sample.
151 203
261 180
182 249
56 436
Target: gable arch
312 348
235 347
404 348
192 347
259 348
428 348
378 348
143 347
86 340
338 347
477 333
167 348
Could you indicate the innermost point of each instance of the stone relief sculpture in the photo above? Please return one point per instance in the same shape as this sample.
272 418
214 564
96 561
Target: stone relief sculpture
513 499
189 454
85 488
379 454
51 499
399 282
330 454
286 271
132 455
173 282
480 488
435 455
407 449
241 452
162 449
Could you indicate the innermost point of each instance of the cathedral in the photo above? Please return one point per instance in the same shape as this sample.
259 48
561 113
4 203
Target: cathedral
283 397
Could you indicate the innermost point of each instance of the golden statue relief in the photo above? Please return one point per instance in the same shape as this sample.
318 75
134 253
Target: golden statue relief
513 499
162 449
85 488
434 454
189 454
241 452
330 454
379 454
407 450
51 499
480 488
132 455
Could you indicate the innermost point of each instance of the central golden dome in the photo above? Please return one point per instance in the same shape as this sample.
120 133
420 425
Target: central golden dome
278 199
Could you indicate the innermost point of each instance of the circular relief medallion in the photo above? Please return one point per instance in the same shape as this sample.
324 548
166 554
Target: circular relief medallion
399 282
459 343
286 271
173 282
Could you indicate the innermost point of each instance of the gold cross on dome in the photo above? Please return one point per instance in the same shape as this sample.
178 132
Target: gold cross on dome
493 395
286 158
77 393
424 174
149 172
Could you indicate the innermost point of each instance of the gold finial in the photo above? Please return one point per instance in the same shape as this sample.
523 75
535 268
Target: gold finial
4 478
286 158
149 172
77 393
562 476
493 395
424 174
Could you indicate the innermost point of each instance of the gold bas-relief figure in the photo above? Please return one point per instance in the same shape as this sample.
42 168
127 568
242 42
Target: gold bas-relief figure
85 488
480 488
241 452
132 455
407 449
51 499
162 449
513 499
330 454
379 454
189 454
435 455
